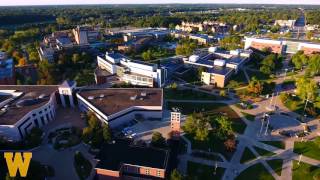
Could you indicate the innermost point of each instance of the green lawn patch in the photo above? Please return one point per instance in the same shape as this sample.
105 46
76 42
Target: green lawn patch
188 94
263 152
200 171
206 156
210 109
278 144
248 116
276 165
255 172
305 171
82 165
247 155
212 144
309 148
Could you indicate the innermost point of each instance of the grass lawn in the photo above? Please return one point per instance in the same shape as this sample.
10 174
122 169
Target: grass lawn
206 156
255 172
188 94
212 144
200 171
248 116
309 148
211 109
276 165
247 155
263 152
82 165
278 144
305 171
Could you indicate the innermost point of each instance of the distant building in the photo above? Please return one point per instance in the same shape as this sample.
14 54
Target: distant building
175 124
219 65
7 70
85 35
282 46
120 160
132 71
285 23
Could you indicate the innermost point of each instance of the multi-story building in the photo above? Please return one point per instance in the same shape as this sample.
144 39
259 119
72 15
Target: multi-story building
282 46
121 160
7 70
116 106
219 65
85 35
285 23
24 107
132 71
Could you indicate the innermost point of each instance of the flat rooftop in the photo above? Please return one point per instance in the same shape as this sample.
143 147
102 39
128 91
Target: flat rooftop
111 156
118 99
220 70
29 92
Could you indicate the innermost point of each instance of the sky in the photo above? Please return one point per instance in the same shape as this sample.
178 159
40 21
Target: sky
61 2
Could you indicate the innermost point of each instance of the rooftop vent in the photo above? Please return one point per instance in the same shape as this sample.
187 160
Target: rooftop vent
101 96
143 94
42 96
132 98
91 97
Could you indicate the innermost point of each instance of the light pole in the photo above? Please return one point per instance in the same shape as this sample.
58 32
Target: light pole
265 133
262 123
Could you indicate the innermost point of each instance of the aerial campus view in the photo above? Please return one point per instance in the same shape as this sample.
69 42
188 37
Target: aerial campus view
154 89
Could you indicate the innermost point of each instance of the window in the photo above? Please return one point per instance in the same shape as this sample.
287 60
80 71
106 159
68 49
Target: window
158 173
147 171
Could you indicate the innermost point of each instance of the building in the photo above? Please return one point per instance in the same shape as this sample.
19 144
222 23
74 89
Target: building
201 38
7 70
132 71
85 35
285 23
121 160
282 46
175 124
116 106
219 65
24 107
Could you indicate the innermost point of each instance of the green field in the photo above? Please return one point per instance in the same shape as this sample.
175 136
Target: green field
305 171
255 172
203 172
309 148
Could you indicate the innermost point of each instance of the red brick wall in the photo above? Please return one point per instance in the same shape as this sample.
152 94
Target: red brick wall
104 174
307 50
274 48
143 170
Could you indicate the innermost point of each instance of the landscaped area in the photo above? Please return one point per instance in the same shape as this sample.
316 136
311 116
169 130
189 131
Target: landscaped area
308 148
305 171
248 116
276 165
255 172
64 138
188 94
247 155
278 144
200 171
210 109
263 152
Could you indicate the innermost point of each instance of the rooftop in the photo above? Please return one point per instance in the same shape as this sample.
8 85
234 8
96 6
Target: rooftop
220 70
112 156
115 99
24 103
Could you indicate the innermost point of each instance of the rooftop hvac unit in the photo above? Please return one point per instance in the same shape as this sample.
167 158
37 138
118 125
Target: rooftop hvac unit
101 96
194 58
219 62
91 97
143 94
42 96
212 49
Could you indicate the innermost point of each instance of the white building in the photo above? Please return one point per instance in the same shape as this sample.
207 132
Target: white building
132 71
116 106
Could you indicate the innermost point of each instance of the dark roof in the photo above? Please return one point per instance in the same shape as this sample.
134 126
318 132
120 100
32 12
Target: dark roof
67 83
118 99
220 70
25 104
111 156
115 55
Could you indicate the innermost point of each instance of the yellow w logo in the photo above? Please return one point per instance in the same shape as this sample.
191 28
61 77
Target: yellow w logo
18 163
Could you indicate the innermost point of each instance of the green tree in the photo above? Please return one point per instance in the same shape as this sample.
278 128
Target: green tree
299 60
175 175
106 133
314 65
306 88
255 86
158 140
147 55
222 127
198 125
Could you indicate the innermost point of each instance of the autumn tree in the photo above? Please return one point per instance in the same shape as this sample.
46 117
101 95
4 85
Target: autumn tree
255 86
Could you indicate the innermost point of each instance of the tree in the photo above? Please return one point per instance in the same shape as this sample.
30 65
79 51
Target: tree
306 88
76 58
198 125
106 133
230 144
175 175
222 127
255 86
299 59
22 62
46 73
34 138
186 48
158 140
314 64
147 55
